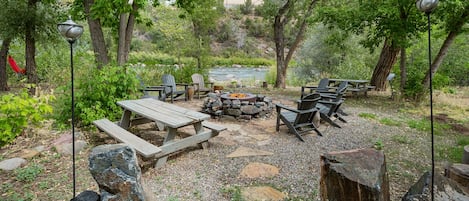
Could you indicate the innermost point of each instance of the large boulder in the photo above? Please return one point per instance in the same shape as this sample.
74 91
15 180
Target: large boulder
354 175
115 169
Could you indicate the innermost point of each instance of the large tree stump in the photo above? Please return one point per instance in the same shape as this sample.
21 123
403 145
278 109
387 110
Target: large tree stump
460 174
465 155
354 175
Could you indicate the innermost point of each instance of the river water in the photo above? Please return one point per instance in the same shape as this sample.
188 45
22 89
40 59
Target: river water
241 73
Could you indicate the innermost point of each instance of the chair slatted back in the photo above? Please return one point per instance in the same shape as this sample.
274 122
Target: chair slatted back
323 85
307 103
168 80
199 79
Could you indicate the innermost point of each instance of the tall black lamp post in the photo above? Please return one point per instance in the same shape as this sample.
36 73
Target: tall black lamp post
428 6
71 31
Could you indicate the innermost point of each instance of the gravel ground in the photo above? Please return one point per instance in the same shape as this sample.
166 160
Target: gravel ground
207 174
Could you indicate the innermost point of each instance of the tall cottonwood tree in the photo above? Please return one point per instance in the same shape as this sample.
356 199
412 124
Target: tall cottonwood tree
455 17
290 19
388 23
118 15
35 20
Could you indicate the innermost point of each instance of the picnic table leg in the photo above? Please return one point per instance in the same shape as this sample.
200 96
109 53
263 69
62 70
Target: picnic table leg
125 119
169 137
199 129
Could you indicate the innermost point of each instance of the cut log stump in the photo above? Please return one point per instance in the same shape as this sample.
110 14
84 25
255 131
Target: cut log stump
354 175
465 155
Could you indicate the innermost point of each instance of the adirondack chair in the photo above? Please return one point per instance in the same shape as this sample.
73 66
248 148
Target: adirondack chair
323 86
329 105
148 91
199 85
299 120
171 90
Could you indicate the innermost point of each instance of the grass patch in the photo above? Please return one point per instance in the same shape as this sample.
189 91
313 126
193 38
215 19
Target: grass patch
403 139
452 153
425 126
389 122
367 115
232 192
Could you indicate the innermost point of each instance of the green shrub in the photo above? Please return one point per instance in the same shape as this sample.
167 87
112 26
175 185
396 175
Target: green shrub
28 174
18 111
96 94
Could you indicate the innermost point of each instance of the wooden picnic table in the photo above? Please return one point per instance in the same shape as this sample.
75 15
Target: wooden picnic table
168 116
355 86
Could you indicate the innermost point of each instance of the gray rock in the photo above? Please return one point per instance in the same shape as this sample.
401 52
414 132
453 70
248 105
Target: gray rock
67 148
12 163
233 112
86 196
115 169
236 104
250 109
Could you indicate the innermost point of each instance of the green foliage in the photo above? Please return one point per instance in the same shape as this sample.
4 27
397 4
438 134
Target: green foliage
389 122
227 31
257 27
333 53
367 115
18 111
28 174
96 94
247 7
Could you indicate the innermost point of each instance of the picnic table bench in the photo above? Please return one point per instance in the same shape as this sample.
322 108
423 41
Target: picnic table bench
169 116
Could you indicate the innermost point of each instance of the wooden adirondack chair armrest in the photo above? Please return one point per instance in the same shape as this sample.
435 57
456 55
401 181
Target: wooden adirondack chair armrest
170 88
153 88
330 102
280 107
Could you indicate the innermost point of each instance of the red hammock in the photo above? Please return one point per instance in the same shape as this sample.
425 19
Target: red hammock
15 66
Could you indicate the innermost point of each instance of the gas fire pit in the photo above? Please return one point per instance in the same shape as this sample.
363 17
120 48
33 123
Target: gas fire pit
239 105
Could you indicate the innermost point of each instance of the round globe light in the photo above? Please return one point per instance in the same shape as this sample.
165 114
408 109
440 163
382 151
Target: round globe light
70 30
426 6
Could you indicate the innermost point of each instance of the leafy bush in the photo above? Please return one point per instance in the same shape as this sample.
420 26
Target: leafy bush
97 92
17 111
28 174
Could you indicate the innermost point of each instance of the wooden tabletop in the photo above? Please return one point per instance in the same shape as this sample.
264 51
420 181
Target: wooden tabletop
356 81
166 113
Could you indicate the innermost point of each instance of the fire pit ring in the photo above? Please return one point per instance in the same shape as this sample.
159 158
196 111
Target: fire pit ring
239 96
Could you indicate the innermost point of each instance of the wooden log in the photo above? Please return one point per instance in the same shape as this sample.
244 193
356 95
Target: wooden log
354 175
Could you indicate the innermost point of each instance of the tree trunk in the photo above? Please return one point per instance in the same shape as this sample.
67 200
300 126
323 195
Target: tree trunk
403 68
121 43
97 36
3 65
129 32
279 38
439 57
31 50
386 60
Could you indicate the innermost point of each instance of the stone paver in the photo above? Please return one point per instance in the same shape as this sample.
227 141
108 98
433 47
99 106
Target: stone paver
246 151
257 170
